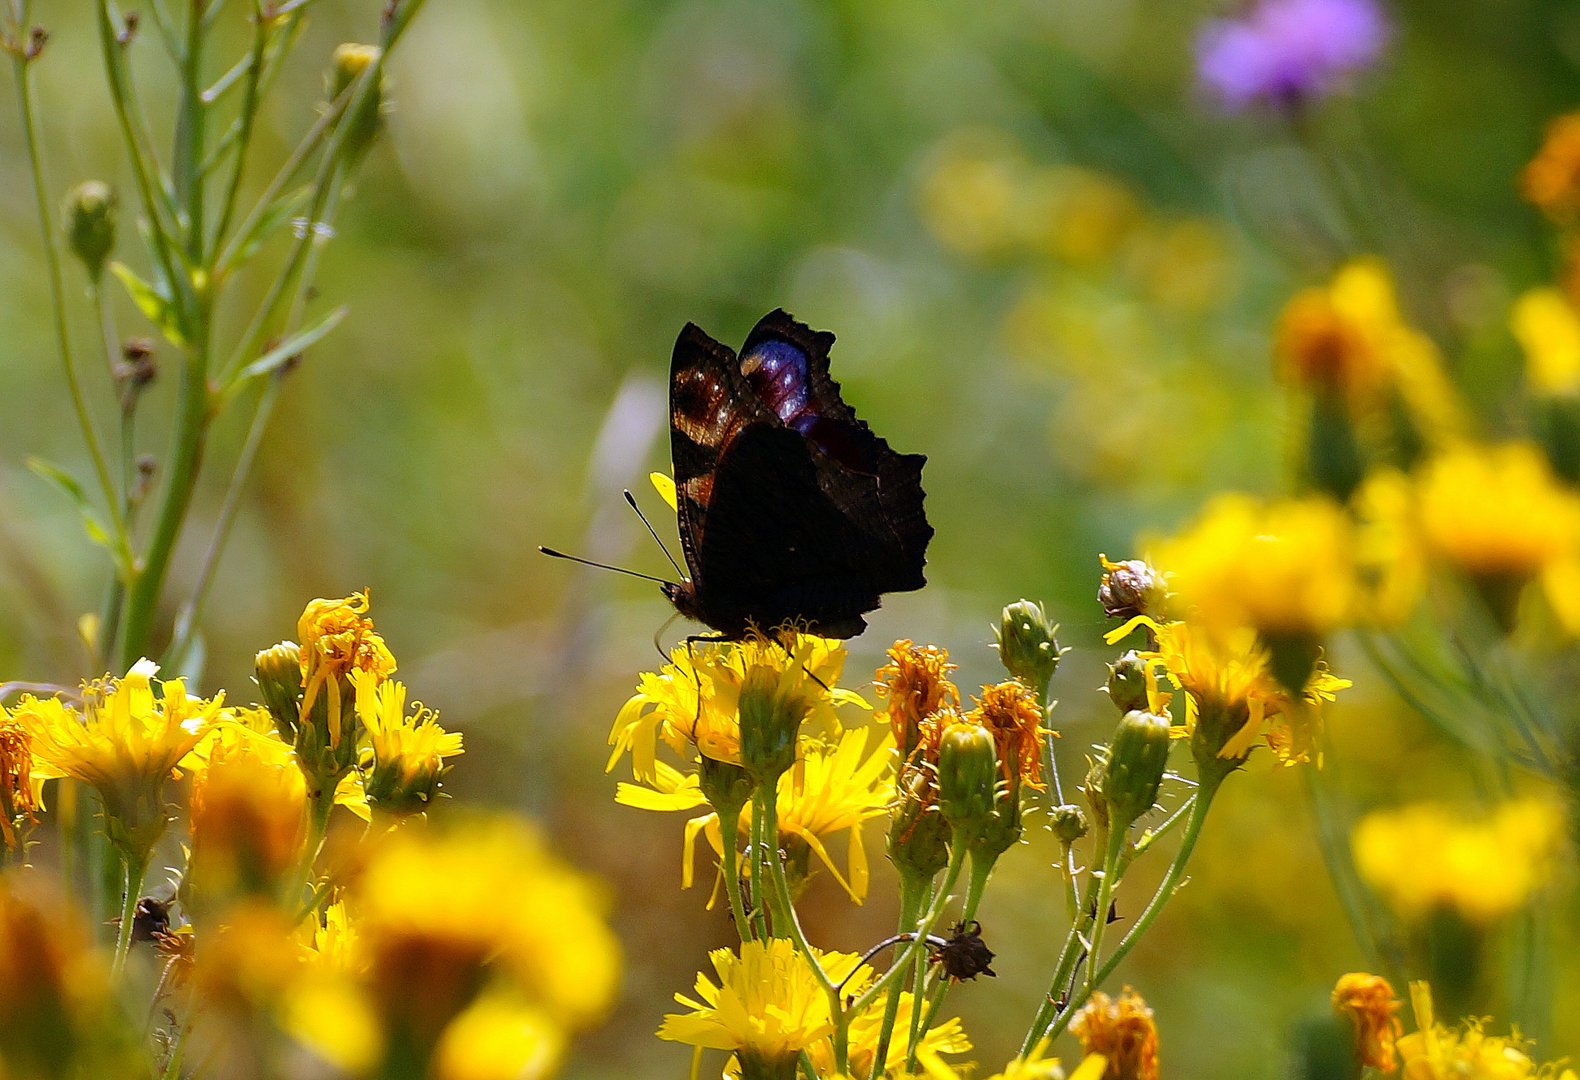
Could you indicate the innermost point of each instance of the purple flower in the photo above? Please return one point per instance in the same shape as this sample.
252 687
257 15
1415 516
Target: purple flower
1287 52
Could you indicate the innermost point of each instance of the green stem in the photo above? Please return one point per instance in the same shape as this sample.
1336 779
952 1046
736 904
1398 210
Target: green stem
1165 892
135 865
913 895
249 108
57 297
187 157
731 869
1105 898
903 962
1332 841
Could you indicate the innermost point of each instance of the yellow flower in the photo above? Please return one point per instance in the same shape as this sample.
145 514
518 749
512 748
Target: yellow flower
693 702
1010 712
1427 856
1551 181
125 745
948 1037
1123 1032
500 1037
337 640
1548 330
1286 569
439 916
1369 1003
1497 512
248 816
767 1006
21 792
1349 339
1390 563
832 790
1035 1066
408 751
1435 1052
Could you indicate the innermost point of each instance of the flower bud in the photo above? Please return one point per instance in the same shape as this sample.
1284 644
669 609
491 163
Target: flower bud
918 834
1127 682
770 714
1027 646
1131 588
725 785
1137 758
363 126
1068 823
967 777
90 224
278 671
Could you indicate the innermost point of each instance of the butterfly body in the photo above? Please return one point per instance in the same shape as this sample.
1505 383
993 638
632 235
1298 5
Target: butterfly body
791 508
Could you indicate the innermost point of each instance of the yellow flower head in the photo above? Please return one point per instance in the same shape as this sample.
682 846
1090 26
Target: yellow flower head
1123 1032
1548 329
500 1037
1286 569
408 751
916 684
1036 1065
1551 181
767 1006
1369 1004
54 998
336 640
21 791
1435 1052
249 816
1389 561
441 916
125 744
1010 712
692 703
1497 512
947 1037
1427 856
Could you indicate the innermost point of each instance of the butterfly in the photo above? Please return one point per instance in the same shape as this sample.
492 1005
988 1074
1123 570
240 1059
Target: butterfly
791 509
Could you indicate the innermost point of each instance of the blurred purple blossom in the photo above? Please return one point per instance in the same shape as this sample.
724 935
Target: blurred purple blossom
1287 52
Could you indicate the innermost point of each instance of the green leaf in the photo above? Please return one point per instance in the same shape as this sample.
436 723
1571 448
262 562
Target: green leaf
269 222
73 490
292 345
154 304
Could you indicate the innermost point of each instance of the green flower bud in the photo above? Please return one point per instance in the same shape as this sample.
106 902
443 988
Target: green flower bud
1137 758
967 777
1127 682
90 224
1069 823
278 671
1001 831
363 126
771 711
1027 646
918 834
725 785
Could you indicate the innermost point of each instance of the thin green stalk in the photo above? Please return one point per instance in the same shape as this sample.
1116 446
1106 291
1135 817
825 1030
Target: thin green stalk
249 110
135 865
191 116
759 877
1333 842
784 913
1105 898
913 895
192 610
731 870
57 297
934 913
1165 892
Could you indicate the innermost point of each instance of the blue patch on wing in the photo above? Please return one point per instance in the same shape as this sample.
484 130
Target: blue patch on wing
781 375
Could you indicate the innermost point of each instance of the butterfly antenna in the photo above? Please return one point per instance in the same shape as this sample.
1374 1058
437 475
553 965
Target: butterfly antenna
631 502
602 566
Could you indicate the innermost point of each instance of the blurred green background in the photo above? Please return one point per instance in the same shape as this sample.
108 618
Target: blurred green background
1052 266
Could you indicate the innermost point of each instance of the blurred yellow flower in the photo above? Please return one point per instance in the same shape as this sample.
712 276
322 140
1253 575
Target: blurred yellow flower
692 703
832 790
1434 1052
1034 1066
1499 514
1284 568
1122 1031
1551 180
1349 339
1428 856
767 1006
125 744
1369 1003
1548 329
970 198
1390 562
408 751
248 817
21 792
500 1037
336 640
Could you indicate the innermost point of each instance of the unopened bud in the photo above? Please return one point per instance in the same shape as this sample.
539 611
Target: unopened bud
363 125
771 712
918 834
1127 682
967 777
725 785
1137 759
1026 644
1068 823
90 224
278 671
1131 588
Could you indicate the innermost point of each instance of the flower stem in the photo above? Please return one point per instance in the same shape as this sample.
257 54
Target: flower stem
732 883
1105 898
913 894
135 865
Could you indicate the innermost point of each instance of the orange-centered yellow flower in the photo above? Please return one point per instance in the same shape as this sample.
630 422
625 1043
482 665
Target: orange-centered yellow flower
1369 1003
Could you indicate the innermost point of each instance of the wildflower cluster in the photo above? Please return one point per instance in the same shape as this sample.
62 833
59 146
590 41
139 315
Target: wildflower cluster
375 943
